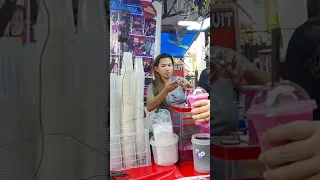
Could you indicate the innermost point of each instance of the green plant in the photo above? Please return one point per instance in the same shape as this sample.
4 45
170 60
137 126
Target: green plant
274 23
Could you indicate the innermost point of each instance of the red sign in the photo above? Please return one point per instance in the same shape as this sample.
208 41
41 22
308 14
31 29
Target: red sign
149 12
224 31
178 70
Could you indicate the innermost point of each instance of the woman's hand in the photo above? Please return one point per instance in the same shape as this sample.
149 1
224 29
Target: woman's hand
298 160
234 68
171 86
182 81
201 112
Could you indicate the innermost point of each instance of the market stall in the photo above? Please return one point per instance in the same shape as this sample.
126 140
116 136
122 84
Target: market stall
158 143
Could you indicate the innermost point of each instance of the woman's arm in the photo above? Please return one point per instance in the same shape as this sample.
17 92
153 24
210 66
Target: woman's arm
255 76
154 102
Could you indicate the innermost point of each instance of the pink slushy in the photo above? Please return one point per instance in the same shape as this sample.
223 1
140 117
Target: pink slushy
274 106
263 124
197 95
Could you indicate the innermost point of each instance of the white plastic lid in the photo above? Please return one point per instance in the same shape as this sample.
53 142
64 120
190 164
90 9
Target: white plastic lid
198 92
286 97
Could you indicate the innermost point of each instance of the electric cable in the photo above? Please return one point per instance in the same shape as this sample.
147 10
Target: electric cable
41 93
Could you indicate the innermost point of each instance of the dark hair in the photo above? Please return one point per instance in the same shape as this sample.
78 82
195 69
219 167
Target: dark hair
158 83
314 30
313 8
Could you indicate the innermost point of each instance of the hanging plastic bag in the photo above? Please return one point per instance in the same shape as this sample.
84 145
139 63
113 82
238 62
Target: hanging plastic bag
161 125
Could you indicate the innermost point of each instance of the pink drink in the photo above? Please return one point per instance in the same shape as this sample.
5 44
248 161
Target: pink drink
263 123
280 105
188 91
197 95
192 99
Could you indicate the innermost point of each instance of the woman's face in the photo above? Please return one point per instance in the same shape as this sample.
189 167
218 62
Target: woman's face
17 23
165 68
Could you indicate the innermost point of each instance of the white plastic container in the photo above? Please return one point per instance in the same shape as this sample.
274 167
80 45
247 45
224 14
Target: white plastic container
201 152
165 154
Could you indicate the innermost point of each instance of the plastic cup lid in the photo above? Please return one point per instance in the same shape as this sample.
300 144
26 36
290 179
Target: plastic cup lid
198 92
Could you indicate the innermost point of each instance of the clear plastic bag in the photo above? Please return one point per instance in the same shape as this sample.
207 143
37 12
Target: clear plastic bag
160 116
161 126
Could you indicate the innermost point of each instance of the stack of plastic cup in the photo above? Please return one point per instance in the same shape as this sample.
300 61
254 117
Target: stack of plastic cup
195 95
274 106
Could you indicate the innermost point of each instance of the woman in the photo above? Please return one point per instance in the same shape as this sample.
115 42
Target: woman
165 90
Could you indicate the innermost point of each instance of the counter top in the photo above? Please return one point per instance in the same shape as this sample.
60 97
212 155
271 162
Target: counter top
242 151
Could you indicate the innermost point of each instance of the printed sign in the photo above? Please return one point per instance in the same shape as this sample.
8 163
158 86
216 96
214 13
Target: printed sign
224 29
200 154
149 11
178 70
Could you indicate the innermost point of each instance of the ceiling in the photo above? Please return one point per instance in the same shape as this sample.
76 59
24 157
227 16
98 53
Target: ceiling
176 6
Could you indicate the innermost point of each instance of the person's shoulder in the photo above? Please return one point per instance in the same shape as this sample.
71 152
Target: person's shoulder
304 31
207 70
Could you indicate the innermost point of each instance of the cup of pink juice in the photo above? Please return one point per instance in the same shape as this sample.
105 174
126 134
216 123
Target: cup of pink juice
195 95
273 106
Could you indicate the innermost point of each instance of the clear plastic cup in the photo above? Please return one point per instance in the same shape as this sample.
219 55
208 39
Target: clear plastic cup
195 95
201 152
274 106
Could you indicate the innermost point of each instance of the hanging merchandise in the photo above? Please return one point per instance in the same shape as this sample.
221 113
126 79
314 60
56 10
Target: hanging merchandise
133 29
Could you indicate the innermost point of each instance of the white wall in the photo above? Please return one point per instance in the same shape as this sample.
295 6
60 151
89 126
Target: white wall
292 13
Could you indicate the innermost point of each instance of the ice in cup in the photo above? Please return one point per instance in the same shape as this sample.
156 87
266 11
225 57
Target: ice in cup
273 106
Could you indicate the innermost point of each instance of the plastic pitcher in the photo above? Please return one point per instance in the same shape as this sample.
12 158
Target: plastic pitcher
201 152
273 106
195 95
